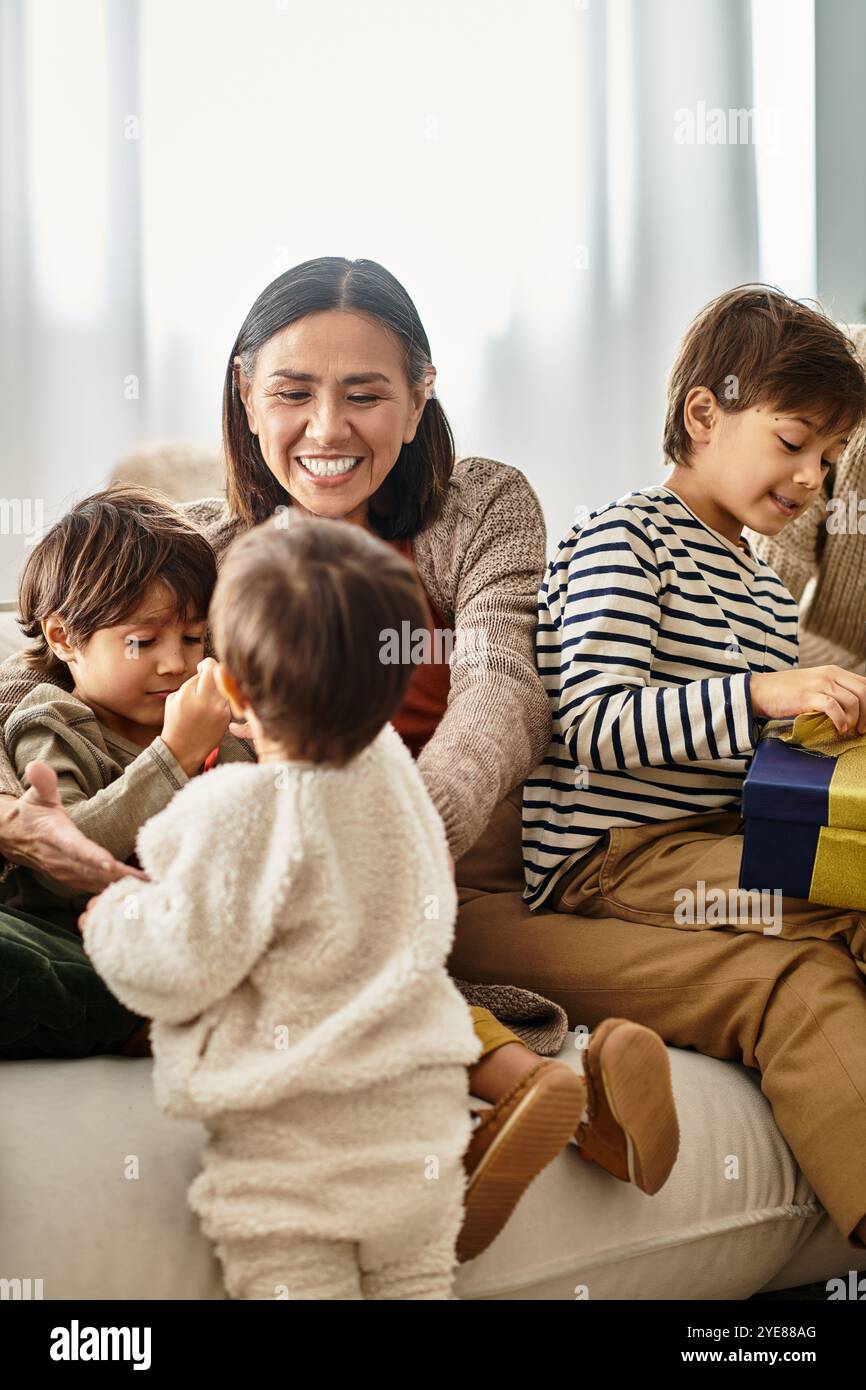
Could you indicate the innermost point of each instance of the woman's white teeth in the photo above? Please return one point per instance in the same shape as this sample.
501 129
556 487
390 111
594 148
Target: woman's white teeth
786 501
327 468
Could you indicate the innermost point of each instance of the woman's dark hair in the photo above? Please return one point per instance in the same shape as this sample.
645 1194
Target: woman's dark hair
95 564
412 494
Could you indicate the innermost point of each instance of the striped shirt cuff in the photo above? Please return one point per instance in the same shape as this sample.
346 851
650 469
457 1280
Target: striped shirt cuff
740 694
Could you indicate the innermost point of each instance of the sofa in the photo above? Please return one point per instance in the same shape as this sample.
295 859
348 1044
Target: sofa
94 1180
94 1176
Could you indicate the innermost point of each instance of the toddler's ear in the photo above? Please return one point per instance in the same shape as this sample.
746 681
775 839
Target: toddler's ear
227 686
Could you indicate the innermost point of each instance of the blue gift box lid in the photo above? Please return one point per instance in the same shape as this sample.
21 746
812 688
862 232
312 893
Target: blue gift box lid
788 784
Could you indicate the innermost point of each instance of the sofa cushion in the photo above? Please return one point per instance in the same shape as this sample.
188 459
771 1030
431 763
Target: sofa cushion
94 1180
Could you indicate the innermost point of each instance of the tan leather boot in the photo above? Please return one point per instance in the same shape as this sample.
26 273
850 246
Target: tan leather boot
632 1131
512 1142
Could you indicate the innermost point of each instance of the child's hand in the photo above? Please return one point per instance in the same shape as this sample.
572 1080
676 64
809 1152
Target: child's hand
241 729
196 718
138 873
83 917
839 694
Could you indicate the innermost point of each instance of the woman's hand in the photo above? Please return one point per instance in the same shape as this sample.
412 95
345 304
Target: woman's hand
36 832
83 916
88 906
830 690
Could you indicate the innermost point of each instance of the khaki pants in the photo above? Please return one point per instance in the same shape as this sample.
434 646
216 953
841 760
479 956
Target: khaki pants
791 1004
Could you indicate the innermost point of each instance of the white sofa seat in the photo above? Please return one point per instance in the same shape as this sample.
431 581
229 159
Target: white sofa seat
77 1216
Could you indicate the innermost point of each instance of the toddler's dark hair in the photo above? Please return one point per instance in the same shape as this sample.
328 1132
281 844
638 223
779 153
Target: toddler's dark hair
298 617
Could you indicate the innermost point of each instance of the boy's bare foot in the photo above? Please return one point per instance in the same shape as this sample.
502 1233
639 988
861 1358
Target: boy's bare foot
492 1076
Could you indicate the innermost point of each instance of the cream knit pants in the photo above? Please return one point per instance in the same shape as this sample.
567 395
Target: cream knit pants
348 1196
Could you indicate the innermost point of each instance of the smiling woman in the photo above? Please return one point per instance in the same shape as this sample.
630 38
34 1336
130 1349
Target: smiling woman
329 409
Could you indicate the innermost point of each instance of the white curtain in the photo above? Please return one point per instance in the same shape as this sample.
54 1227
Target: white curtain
71 309
516 165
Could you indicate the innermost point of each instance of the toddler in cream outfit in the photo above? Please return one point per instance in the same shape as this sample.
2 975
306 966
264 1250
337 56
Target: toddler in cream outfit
291 943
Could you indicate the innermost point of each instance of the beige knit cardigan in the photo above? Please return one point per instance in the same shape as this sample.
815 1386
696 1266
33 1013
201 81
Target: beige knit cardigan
836 559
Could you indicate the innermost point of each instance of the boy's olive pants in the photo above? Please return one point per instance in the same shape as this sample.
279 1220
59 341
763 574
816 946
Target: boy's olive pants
617 939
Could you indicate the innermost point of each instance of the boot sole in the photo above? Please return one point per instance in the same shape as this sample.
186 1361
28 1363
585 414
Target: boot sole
648 1119
537 1130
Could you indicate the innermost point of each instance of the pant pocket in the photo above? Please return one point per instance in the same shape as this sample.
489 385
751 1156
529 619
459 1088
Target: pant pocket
580 887
647 864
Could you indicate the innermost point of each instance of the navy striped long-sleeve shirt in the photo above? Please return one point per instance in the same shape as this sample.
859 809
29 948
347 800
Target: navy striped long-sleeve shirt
650 625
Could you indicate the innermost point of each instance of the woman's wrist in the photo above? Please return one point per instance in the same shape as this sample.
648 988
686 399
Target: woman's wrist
8 845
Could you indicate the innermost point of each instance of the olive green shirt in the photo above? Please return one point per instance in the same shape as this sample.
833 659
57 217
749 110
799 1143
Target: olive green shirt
109 785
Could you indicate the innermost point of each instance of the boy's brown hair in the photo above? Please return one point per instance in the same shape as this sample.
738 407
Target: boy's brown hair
298 618
94 565
755 345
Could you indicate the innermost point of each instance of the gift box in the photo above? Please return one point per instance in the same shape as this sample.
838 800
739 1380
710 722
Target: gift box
804 807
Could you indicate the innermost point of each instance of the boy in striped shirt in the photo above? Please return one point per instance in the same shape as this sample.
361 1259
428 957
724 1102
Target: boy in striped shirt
664 642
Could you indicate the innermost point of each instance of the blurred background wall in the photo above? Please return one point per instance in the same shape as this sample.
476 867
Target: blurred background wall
559 187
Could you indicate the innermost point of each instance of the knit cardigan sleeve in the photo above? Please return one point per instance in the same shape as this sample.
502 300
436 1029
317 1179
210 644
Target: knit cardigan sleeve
496 727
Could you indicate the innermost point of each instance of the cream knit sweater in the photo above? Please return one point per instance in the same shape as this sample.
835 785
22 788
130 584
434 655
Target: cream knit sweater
291 941
482 563
836 559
